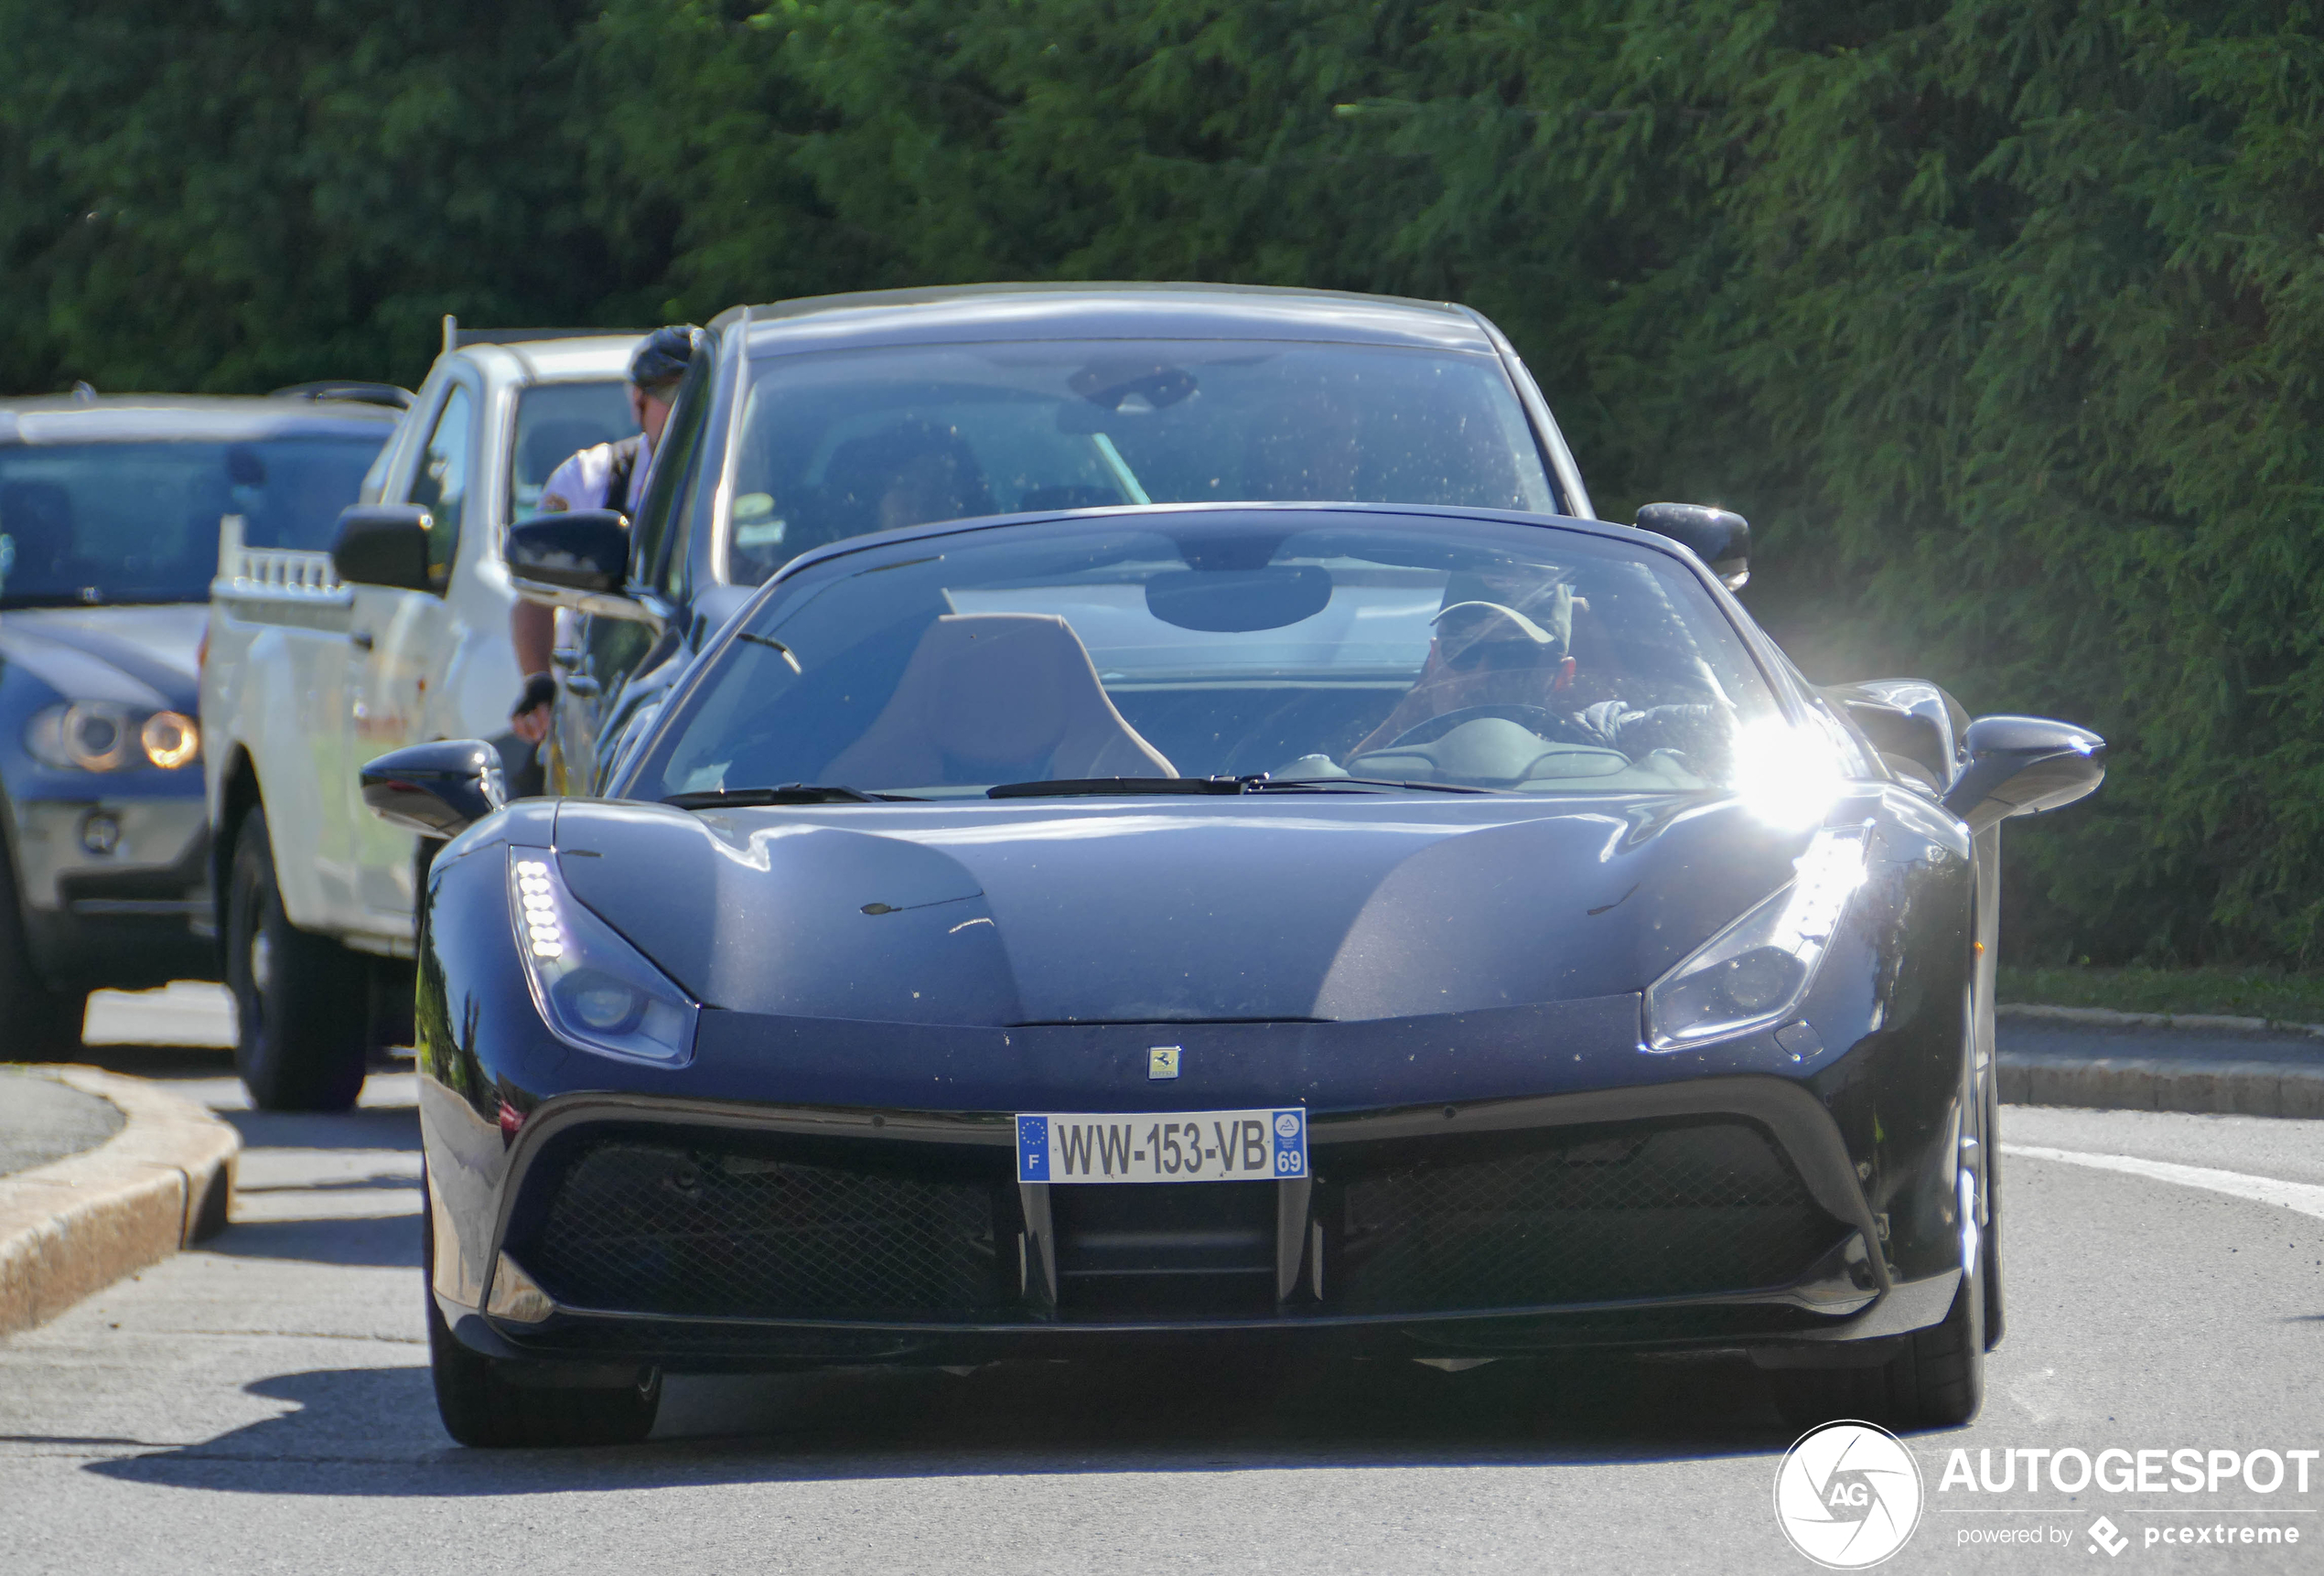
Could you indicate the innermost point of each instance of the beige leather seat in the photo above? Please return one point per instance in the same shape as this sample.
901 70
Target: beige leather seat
997 697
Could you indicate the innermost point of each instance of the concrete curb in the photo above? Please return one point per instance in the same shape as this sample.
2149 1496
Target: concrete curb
2203 1086
2164 1083
2107 1016
76 1226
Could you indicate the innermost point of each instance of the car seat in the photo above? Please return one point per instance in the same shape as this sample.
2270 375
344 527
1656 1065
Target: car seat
997 697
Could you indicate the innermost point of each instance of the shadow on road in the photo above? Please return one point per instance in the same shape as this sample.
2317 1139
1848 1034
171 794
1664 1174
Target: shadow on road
366 1127
372 1431
159 1061
392 1243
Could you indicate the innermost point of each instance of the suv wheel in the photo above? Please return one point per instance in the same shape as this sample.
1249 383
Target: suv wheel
303 999
38 1022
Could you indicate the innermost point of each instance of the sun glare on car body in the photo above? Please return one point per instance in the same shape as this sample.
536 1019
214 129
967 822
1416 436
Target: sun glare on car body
1787 775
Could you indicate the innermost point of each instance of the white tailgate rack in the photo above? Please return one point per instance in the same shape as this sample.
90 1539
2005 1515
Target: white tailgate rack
275 584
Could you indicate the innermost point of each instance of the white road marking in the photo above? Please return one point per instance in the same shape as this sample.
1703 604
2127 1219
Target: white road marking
2303 1196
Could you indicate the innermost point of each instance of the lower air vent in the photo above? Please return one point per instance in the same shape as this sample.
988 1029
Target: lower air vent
648 1228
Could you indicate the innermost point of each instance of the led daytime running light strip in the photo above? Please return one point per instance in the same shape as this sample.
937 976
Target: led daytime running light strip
545 932
1831 869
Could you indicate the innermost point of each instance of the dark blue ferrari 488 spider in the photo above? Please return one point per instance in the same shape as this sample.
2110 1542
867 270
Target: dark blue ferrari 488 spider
1390 931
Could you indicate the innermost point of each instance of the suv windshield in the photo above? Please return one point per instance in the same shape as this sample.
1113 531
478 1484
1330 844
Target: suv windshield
1432 650
87 523
835 446
553 423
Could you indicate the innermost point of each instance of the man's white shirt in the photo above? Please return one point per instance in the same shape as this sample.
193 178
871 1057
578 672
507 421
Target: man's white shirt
581 481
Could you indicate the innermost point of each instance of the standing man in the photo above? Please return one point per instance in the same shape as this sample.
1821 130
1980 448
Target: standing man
611 476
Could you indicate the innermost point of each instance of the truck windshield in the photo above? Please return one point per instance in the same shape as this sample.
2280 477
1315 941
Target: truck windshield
832 445
92 523
553 423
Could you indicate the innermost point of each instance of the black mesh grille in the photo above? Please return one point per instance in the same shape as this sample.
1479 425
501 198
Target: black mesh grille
653 1229
1577 1216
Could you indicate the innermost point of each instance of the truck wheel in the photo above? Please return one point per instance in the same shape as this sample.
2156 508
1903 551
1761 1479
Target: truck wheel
38 1023
303 999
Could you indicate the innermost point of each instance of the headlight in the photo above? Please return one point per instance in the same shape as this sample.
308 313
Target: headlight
1755 971
170 740
104 736
592 988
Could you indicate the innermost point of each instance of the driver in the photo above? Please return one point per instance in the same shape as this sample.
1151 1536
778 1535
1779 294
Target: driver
908 473
1505 643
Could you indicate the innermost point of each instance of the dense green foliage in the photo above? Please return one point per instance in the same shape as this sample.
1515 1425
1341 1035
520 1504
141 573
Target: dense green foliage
2000 317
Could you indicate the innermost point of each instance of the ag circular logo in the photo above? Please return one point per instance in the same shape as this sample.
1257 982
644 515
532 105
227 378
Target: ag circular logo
1847 1495
1288 1125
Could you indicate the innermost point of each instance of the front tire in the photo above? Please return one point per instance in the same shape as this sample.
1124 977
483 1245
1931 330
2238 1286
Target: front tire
38 1022
1989 1255
482 1409
1936 1380
303 999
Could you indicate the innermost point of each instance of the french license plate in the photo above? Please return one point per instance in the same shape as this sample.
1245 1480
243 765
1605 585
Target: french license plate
1165 1146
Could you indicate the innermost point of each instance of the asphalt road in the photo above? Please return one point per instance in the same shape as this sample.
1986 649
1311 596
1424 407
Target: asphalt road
264 1405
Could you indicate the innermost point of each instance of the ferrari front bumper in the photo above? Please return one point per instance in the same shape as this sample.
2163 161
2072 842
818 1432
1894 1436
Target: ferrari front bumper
1722 1212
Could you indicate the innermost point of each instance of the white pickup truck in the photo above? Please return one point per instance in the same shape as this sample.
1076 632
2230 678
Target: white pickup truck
306 678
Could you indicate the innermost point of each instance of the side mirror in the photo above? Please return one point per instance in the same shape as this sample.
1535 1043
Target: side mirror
440 789
1719 537
2023 766
383 544
585 551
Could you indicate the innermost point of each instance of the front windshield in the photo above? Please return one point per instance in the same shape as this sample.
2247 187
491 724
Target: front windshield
553 423
835 446
1441 651
87 523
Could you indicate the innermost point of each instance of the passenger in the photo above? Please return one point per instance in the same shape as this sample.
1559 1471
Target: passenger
1505 649
611 476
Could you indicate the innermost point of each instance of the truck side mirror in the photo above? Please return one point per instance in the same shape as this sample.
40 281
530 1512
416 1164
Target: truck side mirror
585 551
2023 766
383 544
440 788
1720 538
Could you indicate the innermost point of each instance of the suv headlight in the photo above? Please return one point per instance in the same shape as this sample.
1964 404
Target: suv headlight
1755 971
105 736
592 988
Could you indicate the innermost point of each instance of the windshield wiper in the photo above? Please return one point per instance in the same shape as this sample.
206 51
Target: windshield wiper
1264 784
1063 786
1256 782
789 793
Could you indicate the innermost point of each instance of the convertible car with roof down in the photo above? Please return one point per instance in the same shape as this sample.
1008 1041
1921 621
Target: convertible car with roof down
1388 930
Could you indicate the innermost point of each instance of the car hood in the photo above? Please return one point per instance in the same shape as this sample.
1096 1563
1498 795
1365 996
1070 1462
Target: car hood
1319 908
139 657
